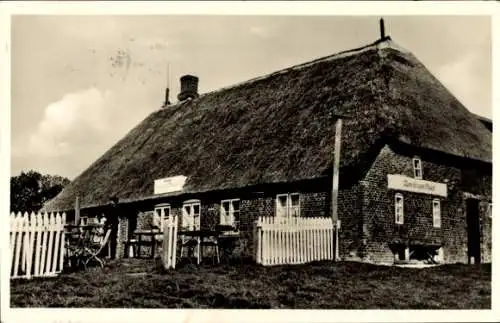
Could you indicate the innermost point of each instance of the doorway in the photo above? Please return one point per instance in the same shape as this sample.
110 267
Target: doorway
473 232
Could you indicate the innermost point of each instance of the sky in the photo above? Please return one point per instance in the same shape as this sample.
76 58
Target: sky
80 83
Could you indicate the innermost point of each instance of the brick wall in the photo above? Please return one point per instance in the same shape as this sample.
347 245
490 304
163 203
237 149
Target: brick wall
486 230
122 235
350 214
315 204
379 228
144 220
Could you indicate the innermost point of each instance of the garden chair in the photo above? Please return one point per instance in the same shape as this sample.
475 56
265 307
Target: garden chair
191 244
94 248
214 244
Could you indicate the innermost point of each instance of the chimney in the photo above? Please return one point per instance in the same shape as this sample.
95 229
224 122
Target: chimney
189 87
382 29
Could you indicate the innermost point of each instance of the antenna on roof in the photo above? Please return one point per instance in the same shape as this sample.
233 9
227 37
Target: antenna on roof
167 90
168 73
382 29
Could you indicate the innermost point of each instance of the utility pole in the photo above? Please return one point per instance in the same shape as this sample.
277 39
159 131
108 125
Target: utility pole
77 210
335 186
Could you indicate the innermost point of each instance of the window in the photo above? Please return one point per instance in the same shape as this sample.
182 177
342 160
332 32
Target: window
417 168
490 210
161 214
191 215
230 212
399 208
281 205
436 213
288 205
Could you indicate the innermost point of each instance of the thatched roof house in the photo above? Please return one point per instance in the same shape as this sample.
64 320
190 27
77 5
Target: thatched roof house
415 165
280 128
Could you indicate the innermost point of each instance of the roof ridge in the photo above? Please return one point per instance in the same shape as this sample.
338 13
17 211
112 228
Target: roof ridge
341 54
378 44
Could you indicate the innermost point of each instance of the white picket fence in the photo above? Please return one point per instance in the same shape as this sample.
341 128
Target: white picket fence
36 244
280 241
169 246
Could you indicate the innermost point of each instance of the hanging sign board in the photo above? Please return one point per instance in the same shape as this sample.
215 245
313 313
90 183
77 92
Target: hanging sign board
169 184
404 183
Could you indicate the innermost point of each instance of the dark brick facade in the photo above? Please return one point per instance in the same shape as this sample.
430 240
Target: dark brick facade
379 228
366 208
313 203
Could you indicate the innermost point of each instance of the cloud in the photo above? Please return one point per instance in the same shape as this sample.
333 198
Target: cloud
77 129
72 121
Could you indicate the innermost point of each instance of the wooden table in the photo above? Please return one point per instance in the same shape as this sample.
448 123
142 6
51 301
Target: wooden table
146 233
200 235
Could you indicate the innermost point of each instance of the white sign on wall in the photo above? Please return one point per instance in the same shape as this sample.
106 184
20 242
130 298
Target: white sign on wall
404 183
169 184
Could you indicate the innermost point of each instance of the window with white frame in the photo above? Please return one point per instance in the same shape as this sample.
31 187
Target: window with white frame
436 213
288 205
230 212
191 215
161 214
417 168
399 208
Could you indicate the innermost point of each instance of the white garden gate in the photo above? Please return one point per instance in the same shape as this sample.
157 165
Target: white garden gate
36 244
169 246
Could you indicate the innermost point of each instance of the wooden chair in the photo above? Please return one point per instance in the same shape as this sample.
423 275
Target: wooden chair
214 244
93 249
191 244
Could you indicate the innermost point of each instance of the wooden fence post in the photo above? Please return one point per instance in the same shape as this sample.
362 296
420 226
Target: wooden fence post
32 232
57 226
169 254
17 243
63 242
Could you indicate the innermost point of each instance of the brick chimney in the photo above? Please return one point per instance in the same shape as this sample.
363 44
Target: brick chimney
189 88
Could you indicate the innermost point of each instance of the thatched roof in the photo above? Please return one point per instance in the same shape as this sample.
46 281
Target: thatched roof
280 128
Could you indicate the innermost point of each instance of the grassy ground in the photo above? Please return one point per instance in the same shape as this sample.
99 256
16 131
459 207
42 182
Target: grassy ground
144 284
